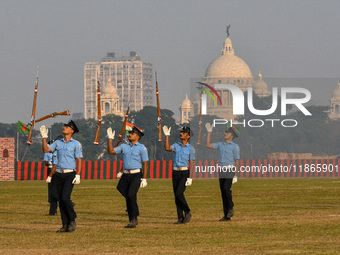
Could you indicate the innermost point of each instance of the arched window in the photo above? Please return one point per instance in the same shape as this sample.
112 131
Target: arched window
107 107
5 153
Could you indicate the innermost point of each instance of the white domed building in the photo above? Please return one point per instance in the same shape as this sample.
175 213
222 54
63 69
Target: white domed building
260 87
335 104
229 69
110 100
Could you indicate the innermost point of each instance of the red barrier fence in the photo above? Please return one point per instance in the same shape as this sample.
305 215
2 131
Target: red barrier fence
160 169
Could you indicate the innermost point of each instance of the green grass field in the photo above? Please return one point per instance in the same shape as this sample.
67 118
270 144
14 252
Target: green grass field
272 216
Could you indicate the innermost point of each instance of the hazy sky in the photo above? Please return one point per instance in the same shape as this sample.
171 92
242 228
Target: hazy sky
283 39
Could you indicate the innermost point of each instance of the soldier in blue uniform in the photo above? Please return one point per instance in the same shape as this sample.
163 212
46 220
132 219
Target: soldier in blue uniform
69 158
229 161
135 157
182 172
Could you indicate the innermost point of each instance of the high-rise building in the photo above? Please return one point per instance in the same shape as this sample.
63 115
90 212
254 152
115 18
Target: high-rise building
124 81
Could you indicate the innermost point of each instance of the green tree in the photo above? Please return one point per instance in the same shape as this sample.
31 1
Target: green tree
314 134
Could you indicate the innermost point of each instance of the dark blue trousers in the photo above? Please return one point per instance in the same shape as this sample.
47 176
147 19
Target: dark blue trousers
128 186
179 179
62 190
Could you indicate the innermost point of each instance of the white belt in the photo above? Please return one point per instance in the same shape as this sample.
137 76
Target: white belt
64 171
228 166
182 168
132 171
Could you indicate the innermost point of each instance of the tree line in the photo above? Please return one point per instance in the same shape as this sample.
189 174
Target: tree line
315 134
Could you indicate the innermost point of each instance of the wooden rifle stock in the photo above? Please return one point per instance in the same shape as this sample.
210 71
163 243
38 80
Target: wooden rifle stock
159 118
29 140
96 139
52 115
123 127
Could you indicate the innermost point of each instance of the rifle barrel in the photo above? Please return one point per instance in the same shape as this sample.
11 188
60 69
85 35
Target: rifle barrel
96 139
29 139
123 127
159 117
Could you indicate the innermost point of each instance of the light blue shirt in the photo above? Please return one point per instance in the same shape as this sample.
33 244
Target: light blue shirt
227 152
67 153
133 156
48 157
51 158
182 154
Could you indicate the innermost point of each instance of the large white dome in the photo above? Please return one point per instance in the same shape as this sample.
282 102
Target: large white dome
228 66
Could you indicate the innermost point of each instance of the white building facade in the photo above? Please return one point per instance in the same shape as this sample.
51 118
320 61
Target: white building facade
124 81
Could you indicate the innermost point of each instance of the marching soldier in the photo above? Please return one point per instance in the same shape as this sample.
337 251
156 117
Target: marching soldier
181 174
229 160
135 156
69 157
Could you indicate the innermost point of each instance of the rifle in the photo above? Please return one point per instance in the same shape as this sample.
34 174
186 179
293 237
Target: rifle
123 127
29 140
200 122
96 139
159 118
52 115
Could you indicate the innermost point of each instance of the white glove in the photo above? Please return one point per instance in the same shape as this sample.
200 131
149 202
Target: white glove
166 130
188 182
119 175
76 179
110 134
48 179
143 183
209 127
43 131
234 179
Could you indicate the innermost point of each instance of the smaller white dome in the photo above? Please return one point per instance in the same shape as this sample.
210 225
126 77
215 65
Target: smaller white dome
336 92
186 102
109 89
260 84
260 87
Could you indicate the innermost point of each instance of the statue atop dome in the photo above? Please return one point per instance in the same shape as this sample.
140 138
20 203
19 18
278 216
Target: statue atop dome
228 27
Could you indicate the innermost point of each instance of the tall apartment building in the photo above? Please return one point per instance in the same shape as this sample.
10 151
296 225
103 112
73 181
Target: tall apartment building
126 80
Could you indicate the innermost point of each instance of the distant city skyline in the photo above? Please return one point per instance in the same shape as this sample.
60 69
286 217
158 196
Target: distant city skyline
282 39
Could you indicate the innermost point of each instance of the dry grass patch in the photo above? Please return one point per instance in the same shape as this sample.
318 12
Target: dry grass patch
272 216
